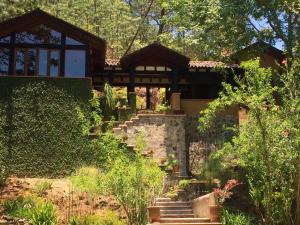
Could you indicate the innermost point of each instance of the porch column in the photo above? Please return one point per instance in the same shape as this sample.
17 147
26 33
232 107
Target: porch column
174 84
131 95
175 94
148 99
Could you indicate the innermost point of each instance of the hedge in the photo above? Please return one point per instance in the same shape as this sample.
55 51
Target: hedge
38 120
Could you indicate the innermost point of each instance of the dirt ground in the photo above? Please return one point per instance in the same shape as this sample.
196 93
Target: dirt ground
68 202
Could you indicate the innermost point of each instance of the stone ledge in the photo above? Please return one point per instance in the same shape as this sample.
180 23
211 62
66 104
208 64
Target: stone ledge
161 115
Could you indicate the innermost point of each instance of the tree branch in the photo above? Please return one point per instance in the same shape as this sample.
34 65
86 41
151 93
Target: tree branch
139 27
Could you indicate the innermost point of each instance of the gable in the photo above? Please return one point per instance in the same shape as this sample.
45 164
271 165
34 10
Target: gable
155 55
38 17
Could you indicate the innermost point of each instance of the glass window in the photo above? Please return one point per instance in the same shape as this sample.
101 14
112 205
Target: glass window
54 63
31 62
140 68
161 68
71 41
43 62
75 63
4 61
39 35
20 59
5 40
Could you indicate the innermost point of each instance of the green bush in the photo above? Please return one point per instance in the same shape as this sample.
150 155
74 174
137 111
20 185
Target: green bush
107 149
108 218
3 149
40 120
229 218
35 210
184 183
87 179
41 187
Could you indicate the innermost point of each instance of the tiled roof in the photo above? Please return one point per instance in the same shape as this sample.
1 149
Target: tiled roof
112 62
192 64
210 64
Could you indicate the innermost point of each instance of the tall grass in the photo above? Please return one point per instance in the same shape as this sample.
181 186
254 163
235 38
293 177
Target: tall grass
229 218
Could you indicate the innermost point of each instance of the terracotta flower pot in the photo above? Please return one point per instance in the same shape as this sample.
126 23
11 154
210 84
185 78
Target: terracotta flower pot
175 168
154 214
214 213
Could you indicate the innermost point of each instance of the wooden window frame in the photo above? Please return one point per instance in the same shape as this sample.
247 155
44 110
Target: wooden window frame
61 48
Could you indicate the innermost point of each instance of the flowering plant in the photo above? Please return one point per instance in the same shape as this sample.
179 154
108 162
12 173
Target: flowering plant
222 194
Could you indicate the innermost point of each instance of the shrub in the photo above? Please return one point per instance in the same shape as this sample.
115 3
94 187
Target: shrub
44 135
184 183
267 144
36 210
87 179
3 146
108 218
229 218
107 148
135 183
41 187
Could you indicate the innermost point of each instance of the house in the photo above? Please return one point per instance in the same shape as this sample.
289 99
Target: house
37 44
41 45
270 57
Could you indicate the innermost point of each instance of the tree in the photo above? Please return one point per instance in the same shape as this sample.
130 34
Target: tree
267 145
217 28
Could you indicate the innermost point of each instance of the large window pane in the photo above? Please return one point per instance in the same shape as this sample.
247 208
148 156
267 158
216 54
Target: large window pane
20 59
71 41
43 62
39 35
54 63
31 62
75 63
4 61
5 40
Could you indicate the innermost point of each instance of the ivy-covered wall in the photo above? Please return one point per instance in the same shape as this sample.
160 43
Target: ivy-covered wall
40 131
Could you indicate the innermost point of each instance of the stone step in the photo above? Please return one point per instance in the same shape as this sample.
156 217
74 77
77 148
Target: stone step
184 220
163 199
175 207
191 215
123 127
117 130
178 204
205 223
128 123
182 211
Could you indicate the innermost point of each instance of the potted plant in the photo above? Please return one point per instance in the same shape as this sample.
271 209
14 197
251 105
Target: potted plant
153 214
172 163
220 196
164 108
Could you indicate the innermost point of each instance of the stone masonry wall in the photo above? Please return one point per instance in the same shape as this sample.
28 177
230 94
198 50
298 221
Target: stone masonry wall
178 135
199 145
164 135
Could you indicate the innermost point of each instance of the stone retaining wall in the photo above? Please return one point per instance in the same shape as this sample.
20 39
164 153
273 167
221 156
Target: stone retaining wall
199 145
178 134
164 135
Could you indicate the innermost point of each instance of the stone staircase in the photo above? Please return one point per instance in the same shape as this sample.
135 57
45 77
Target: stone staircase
178 213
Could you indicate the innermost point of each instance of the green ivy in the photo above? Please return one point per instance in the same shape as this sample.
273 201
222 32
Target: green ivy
39 120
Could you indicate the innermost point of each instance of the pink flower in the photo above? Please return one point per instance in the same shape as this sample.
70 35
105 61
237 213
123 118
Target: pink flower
284 61
225 193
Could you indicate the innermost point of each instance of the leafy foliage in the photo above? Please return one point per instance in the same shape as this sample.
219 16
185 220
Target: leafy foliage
230 218
133 180
107 218
36 210
266 143
135 184
42 130
88 179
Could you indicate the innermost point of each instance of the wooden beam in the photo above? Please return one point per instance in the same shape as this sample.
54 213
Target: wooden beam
148 98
